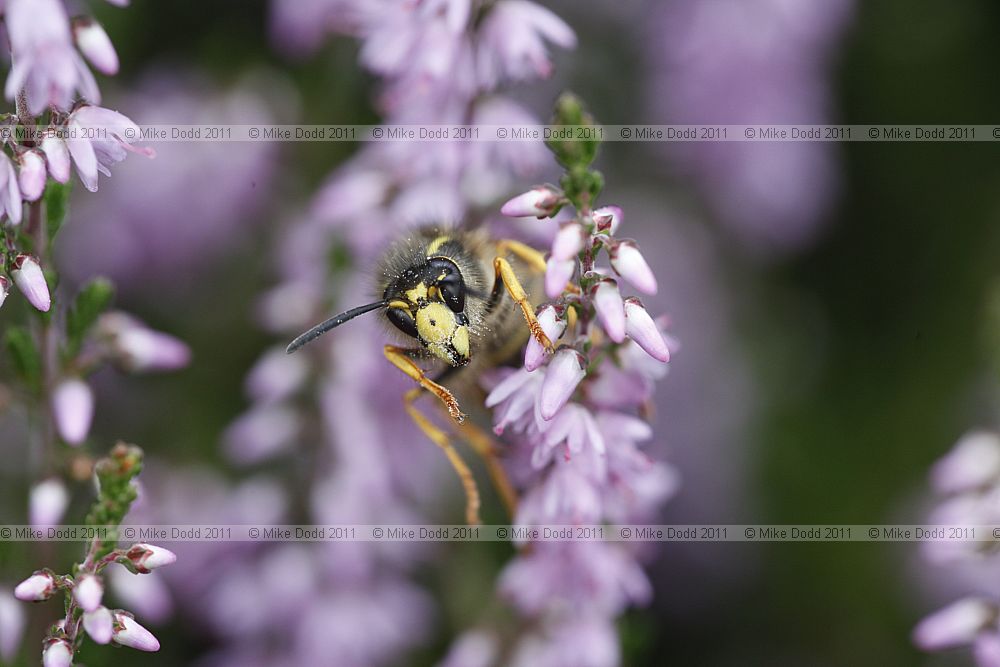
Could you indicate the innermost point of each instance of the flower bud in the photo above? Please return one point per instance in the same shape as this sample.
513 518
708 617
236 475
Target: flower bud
553 326
47 503
32 176
128 632
39 586
641 328
138 348
569 241
95 45
13 621
28 277
541 201
956 624
608 219
4 289
146 557
99 624
557 274
11 201
57 157
73 410
629 263
563 374
57 653
88 592
610 309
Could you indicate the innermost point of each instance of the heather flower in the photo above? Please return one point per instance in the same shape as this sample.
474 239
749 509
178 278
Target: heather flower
540 202
47 502
553 324
569 241
10 193
146 557
88 591
57 653
956 624
640 327
12 624
95 45
28 277
512 46
629 263
475 648
275 376
563 374
138 348
113 144
31 177
4 289
44 62
608 219
557 275
57 157
73 410
99 624
261 433
973 463
39 586
610 308
128 632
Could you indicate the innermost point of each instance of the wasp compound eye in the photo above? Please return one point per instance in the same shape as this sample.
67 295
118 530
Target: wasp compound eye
452 290
402 321
448 279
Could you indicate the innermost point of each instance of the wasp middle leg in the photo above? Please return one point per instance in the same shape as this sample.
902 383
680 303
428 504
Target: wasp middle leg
506 278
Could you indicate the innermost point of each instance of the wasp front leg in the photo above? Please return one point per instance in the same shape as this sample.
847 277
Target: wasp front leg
401 359
506 278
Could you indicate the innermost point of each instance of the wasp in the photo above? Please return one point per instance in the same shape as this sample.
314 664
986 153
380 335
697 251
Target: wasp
444 292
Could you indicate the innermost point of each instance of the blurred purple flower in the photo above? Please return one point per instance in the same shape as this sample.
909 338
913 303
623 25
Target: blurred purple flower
970 476
12 624
10 193
760 61
73 410
166 219
137 348
47 503
95 45
44 62
31 176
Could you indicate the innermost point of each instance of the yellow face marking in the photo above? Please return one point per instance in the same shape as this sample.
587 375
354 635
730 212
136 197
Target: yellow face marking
436 244
402 305
435 323
417 293
460 341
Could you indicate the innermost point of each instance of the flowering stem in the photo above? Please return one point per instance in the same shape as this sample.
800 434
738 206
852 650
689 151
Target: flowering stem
45 343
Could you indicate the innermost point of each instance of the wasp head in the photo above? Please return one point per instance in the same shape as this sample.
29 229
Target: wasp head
427 302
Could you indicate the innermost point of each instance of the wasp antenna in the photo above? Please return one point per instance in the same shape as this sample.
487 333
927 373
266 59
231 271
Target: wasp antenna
331 323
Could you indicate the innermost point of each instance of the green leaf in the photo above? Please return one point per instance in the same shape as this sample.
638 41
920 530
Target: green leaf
24 356
56 207
92 300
